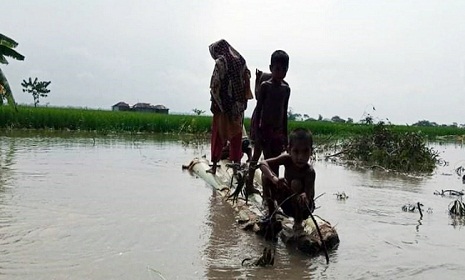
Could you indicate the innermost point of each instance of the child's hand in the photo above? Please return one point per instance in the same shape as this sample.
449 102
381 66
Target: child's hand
311 206
280 182
303 200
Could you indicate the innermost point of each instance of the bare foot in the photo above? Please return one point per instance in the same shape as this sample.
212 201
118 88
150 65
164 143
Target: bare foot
298 229
212 171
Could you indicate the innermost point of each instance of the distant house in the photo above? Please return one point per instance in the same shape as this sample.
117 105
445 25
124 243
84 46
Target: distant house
142 107
146 107
121 106
161 109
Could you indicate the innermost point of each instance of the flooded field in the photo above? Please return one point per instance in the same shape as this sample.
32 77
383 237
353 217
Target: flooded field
121 208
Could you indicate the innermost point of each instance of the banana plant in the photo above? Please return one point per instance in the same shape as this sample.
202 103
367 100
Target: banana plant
7 46
36 88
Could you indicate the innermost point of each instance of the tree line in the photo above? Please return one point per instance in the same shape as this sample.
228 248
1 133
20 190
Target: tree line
366 119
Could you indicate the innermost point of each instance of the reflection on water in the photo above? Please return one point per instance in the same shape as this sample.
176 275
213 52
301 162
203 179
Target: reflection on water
457 222
7 152
228 246
87 207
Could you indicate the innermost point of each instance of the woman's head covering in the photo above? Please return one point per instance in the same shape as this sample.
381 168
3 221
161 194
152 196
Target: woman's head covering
223 50
228 78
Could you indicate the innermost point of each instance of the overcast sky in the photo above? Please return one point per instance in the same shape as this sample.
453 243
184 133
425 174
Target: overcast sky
405 58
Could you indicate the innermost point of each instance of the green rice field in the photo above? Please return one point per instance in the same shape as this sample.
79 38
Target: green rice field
104 121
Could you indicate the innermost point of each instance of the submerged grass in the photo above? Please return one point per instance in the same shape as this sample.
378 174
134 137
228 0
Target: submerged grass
104 121
405 152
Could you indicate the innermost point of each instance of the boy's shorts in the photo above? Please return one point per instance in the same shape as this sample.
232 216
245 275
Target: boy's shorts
272 142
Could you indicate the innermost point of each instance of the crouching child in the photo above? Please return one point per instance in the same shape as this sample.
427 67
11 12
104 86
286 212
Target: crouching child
295 192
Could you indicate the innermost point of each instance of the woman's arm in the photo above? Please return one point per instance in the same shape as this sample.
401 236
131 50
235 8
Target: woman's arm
248 90
215 82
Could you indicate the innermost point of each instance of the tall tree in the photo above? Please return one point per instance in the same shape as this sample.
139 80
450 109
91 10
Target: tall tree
7 46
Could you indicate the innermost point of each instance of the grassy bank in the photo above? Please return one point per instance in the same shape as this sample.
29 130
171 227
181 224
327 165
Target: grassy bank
99 120
135 122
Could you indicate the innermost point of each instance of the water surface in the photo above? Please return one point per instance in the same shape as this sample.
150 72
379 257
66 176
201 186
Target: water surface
121 208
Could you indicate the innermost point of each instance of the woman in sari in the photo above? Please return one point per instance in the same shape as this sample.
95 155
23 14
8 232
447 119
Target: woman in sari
230 90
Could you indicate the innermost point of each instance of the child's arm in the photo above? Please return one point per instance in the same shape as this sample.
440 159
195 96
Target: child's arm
260 77
258 109
268 172
258 81
285 121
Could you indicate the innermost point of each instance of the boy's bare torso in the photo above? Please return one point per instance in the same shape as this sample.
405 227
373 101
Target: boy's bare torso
306 174
275 97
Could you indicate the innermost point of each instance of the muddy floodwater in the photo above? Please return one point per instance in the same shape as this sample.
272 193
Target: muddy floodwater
111 207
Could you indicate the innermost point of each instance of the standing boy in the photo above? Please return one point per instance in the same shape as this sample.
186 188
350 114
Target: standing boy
269 127
295 192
